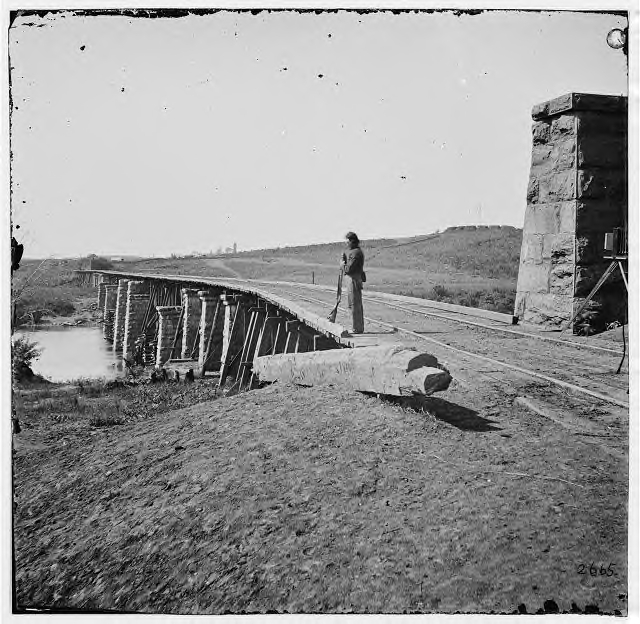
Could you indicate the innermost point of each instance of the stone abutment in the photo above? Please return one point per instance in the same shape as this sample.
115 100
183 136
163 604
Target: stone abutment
577 193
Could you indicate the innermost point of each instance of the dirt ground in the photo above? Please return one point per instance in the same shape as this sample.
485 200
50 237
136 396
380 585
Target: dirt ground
320 500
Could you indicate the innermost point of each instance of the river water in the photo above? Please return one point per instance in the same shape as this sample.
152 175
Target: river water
73 352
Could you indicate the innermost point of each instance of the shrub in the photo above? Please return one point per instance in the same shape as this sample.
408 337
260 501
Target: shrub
23 353
469 299
440 292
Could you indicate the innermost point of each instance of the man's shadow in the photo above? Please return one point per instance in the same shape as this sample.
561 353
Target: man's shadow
452 413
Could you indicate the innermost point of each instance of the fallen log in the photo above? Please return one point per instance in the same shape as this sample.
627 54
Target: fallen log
391 369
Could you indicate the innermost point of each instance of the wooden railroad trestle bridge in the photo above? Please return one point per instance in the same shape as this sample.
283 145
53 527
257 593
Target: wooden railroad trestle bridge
236 331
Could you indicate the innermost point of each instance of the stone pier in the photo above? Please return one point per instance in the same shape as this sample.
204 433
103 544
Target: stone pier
577 193
109 311
101 296
191 322
121 312
168 317
137 303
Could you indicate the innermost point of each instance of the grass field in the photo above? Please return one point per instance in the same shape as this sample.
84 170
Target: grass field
468 266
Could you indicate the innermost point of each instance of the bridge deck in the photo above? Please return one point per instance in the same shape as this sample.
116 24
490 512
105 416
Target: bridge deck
478 346
312 314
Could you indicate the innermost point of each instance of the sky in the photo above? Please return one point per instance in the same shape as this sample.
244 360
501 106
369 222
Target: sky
149 137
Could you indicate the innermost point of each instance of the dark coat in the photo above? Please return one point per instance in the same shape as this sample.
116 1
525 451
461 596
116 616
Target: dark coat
354 266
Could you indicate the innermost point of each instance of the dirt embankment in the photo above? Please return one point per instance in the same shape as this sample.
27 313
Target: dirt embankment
319 500
85 312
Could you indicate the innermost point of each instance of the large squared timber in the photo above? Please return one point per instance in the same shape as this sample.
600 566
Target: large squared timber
390 370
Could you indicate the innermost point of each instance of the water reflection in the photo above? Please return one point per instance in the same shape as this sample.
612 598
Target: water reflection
73 352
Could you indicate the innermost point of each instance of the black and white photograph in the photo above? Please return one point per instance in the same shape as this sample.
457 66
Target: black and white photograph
320 310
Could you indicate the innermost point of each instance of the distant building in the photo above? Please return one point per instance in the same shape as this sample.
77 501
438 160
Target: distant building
235 248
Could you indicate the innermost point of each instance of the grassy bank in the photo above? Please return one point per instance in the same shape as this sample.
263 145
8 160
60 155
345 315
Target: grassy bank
313 500
97 403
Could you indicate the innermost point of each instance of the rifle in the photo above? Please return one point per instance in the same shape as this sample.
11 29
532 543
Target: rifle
334 312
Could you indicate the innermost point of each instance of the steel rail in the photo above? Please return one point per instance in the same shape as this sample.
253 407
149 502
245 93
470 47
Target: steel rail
559 382
496 328
570 343
422 303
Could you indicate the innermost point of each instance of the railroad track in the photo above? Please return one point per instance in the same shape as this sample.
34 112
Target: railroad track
456 319
554 379
521 357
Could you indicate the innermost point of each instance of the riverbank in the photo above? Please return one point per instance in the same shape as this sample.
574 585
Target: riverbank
85 403
47 293
85 312
311 500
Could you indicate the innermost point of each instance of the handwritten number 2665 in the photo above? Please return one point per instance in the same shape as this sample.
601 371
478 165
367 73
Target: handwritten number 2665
594 570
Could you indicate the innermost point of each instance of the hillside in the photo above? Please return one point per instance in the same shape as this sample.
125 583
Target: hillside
491 252
474 266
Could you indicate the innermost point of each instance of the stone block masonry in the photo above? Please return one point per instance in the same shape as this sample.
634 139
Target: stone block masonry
137 303
121 312
101 296
577 192
109 311
168 317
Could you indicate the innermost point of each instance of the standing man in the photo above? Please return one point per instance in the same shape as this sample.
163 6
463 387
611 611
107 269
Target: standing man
353 266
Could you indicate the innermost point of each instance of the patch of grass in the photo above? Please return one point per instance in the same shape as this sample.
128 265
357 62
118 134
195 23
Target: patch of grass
91 387
99 402
67 403
106 420
45 406
495 298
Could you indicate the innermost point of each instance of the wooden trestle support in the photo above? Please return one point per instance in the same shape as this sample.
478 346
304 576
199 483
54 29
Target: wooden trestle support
241 337
230 330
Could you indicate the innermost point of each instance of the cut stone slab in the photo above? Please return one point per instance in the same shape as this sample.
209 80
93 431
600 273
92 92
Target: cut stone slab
181 366
391 369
